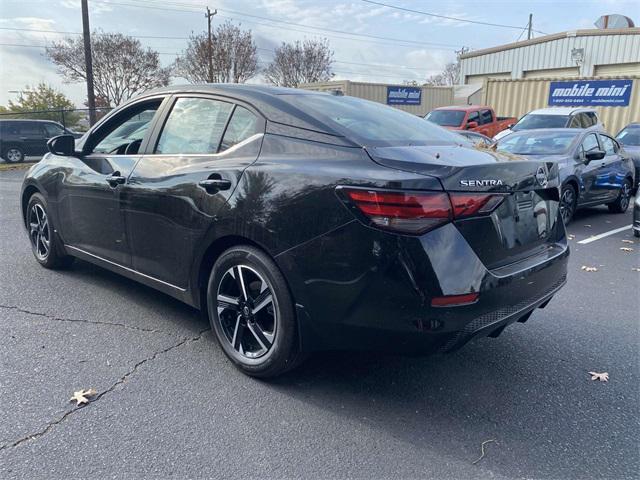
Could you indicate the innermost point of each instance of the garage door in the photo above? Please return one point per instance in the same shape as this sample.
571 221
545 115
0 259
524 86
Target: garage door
553 73
617 69
475 79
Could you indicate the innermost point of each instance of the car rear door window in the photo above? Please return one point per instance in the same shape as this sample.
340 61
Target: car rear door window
31 129
485 117
194 126
243 124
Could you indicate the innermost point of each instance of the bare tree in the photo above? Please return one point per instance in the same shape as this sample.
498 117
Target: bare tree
451 73
300 62
122 67
234 56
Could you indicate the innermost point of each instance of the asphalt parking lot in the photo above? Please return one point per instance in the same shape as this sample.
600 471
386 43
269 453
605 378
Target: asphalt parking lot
169 404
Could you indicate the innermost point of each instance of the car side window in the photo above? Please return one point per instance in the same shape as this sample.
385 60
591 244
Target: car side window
608 144
243 124
575 121
590 142
53 130
592 120
124 134
29 128
194 126
485 117
474 117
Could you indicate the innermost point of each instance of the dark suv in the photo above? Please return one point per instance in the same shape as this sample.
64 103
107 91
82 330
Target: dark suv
20 138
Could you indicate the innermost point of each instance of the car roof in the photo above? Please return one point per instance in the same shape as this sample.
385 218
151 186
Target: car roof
560 110
465 108
269 100
27 120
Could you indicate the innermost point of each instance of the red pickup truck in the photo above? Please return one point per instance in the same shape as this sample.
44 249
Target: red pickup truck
477 118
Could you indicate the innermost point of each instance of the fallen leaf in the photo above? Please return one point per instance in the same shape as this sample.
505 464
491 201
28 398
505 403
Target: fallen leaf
626 249
603 377
81 396
589 269
628 241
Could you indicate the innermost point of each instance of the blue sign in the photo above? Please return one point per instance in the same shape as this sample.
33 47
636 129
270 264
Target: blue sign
404 95
603 93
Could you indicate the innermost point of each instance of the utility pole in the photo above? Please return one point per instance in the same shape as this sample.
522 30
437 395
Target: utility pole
208 16
530 30
88 62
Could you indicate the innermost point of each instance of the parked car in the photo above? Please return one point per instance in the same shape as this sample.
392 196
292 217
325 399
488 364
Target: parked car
20 138
636 217
555 117
476 118
629 138
594 169
475 137
302 221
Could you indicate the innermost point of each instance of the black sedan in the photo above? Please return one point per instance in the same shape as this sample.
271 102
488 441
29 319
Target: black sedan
594 169
301 221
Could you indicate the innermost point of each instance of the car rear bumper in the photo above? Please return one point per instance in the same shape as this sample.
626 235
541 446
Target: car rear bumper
375 290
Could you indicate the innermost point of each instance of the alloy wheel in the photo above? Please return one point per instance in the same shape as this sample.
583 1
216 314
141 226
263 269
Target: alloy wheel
246 311
567 204
39 231
14 155
625 195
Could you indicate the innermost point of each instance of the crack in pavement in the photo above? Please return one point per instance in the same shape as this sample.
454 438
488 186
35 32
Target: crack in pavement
120 381
77 320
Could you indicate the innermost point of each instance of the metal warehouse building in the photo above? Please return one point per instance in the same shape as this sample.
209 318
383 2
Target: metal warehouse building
579 53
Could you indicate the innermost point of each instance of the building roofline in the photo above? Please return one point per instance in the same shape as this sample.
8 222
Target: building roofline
592 32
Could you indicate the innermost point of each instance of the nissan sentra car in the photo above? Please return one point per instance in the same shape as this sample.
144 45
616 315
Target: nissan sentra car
301 221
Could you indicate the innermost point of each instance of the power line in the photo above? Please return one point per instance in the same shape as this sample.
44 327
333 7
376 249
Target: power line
445 17
347 72
376 65
150 5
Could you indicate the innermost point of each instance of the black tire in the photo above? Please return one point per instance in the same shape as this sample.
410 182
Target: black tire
636 233
568 202
252 313
45 244
621 204
13 154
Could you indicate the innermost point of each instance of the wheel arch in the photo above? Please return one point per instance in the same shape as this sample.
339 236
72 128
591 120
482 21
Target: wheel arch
27 193
575 183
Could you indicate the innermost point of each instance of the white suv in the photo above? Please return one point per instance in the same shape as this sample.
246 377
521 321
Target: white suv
556 117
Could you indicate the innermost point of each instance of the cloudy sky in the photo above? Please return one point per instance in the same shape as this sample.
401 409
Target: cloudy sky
371 42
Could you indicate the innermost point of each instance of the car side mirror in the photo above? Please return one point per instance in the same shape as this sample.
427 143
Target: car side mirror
472 125
64 145
594 155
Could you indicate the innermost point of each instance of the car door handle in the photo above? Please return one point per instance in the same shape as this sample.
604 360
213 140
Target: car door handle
214 185
115 179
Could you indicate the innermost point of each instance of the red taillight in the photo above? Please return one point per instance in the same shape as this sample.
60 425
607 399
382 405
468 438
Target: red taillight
468 204
409 212
454 300
417 212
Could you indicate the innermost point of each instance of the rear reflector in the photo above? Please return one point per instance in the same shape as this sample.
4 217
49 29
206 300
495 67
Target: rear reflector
454 300
416 212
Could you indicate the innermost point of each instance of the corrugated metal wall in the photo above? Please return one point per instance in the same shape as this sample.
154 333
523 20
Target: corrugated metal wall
432 97
601 47
517 97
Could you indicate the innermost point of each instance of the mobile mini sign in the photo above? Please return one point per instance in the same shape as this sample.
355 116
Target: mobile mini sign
404 95
603 93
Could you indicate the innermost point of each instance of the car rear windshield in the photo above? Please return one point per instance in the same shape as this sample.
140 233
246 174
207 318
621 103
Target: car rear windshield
446 118
629 136
537 143
372 124
531 121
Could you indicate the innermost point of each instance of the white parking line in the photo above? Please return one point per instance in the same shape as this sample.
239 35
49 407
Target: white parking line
605 234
